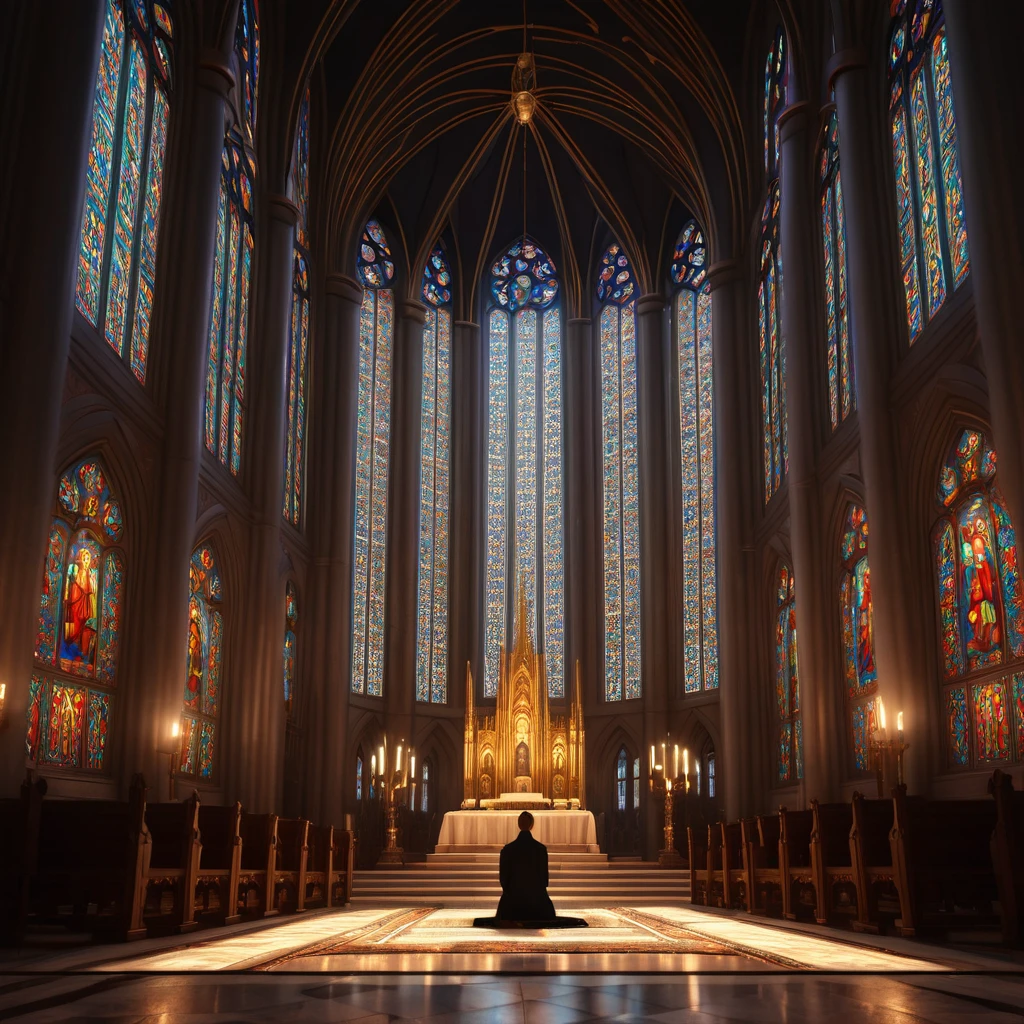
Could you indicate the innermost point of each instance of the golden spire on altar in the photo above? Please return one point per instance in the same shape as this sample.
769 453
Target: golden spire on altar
524 641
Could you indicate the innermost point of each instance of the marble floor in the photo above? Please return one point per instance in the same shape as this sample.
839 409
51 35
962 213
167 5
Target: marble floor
671 963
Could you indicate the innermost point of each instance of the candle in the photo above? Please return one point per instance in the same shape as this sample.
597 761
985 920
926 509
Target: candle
664 759
398 758
412 767
652 757
899 721
175 728
686 761
373 765
380 759
675 763
881 713
696 765
668 785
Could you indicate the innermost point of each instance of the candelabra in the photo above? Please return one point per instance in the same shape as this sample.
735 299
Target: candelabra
662 785
887 754
391 784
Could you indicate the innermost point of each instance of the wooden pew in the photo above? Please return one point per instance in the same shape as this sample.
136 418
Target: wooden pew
318 866
19 851
878 902
799 896
831 862
343 850
716 872
290 867
697 847
220 864
736 892
943 864
1007 848
761 853
259 859
93 862
173 866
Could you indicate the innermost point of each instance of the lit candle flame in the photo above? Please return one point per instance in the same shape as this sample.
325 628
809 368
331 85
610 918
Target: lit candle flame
175 729
899 721
881 713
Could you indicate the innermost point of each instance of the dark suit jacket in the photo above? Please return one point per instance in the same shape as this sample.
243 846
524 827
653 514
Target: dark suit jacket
523 870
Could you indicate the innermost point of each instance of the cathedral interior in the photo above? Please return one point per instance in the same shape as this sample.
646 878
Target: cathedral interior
437 411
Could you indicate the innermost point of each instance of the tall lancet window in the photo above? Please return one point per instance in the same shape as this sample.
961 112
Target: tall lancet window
775 443
617 290
376 269
298 333
926 164
124 178
841 397
789 752
435 484
697 460
524 459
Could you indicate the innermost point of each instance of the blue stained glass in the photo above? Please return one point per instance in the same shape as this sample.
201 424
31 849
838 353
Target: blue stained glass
610 419
772 348
525 509
553 542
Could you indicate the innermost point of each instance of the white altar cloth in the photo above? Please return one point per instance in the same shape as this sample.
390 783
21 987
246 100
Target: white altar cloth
480 831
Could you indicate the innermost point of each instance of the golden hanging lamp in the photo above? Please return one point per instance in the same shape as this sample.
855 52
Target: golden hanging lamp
524 75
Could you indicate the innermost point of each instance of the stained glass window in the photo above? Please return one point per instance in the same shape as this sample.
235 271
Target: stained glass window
841 396
124 177
774 100
376 268
247 53
291 616
616 289
435 481
204 655
524 459
298 331
789 750
359 778
859 673
224 411
926 164
621 766
775 442
711 776
697 461
78 636
425 787
980 608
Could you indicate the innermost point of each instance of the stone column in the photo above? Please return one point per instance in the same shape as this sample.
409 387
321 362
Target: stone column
983 63
404 525
162 613
261 715
738 782
876 317
42 219
331 514
467 541
804 394
653 373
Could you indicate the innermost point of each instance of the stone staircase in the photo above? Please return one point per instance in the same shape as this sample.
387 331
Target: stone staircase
470 880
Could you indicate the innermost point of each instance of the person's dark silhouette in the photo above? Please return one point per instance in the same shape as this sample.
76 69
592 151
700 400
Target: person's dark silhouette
523 871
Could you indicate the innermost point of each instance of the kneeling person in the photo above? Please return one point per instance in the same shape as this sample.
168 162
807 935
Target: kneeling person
523 871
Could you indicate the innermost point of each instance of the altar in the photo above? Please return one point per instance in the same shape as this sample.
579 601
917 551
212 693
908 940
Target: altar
560 831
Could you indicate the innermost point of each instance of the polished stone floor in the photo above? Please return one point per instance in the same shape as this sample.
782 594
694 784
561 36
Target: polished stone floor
671 963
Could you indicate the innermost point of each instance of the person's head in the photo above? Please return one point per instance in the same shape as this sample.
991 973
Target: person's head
526 822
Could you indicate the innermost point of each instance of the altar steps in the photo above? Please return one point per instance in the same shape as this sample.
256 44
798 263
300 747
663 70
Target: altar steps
471 880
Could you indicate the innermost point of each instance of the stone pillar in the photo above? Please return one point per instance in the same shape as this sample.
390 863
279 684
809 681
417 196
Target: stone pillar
983 63
42 223
404 525
162 613
804 393
261 716
653 376
467 542
739 783
876 316
337 359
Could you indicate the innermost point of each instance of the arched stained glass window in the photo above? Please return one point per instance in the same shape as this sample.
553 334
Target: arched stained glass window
926 164
203 663
124 177
711 776
291 617
435 484
981 610
841 396
359 776
621 769
247 51
425 787
617 290
772 349
376 268
524 458
790 750
71 692
858 634
298 332
774 100
697 460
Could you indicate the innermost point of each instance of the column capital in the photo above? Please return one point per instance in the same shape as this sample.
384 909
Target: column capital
793 119
579 320
215 74
413 309
283 209
650 303
345 287
471 324
723 272
851 59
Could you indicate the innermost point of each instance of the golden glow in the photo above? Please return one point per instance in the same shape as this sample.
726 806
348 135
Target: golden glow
175 729
524 103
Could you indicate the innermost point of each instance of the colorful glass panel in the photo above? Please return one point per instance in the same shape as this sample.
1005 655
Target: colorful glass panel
291 616
496 594
774 98
992 720
689 260
957 727
1018 706
773 400
971 459
437 278
300 174
247 49
552 540
524 276
924 151
298 356
789 757
864 725
945 557
616 282
374 263
981 618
